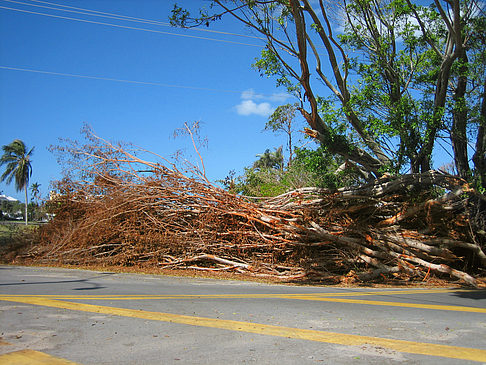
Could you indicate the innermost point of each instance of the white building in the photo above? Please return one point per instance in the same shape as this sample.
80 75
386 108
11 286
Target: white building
8 198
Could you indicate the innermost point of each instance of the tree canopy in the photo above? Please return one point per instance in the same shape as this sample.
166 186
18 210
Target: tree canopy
379 82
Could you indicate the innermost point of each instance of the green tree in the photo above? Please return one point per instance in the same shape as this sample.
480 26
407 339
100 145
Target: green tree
282 120
34 206
403 74
309 168
270 160
263 178
18 167
35 192
290 37
420 68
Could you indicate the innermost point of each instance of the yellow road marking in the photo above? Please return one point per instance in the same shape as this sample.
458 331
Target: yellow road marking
397 304
30 357
256 295
325 297
429 349
392 292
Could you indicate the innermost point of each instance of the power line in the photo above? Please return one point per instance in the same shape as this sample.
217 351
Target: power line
122 80
132 28
115 79
90 13
120 17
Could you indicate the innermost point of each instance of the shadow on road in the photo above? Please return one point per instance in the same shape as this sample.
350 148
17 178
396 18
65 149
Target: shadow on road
471 294
92 285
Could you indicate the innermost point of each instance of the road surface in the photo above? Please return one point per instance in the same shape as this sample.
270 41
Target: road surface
61 316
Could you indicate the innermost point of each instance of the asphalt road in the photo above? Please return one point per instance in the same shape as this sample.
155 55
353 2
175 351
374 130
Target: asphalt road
60 316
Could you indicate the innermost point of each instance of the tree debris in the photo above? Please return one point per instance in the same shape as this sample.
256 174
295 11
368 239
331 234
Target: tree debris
116 208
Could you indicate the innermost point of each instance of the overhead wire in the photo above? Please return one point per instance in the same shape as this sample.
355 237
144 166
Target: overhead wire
115 16
123 80
103 14
132 28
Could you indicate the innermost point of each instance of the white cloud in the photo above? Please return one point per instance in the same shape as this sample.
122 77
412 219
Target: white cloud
259 104
250 94
249 107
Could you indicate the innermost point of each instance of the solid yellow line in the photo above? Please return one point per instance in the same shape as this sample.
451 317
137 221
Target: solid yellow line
297 333
30 357
397 304
393 292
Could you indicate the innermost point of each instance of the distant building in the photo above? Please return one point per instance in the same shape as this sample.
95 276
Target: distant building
7 198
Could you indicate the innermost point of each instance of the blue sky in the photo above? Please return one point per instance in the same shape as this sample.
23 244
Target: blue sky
215 83
133 81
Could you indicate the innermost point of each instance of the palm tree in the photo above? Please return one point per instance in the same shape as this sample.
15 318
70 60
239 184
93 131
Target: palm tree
269 160
35 192
34 198
18 167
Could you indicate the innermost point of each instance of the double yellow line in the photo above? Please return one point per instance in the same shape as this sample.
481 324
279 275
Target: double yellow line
323 297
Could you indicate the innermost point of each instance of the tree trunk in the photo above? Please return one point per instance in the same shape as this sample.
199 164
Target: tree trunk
341 81
26 203
479 156
459 121
291 150
452 50
321 131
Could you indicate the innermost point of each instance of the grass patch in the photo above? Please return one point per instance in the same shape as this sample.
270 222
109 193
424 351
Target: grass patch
10 230
14 239
7 231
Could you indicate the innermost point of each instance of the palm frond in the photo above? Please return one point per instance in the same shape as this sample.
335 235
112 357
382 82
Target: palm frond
18 164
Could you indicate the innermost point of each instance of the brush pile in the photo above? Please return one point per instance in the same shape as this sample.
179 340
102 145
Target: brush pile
115 208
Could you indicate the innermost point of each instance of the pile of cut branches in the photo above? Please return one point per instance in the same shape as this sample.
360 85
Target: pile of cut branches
115 208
